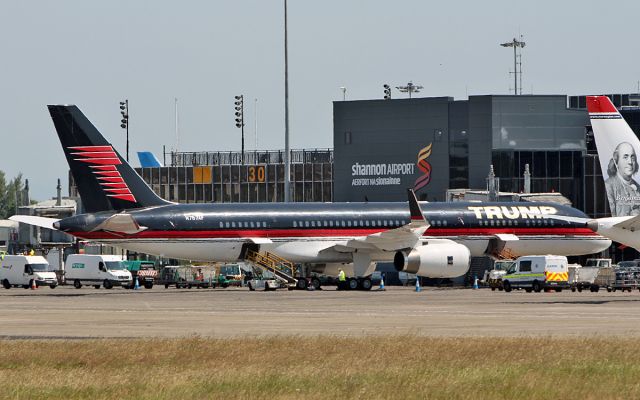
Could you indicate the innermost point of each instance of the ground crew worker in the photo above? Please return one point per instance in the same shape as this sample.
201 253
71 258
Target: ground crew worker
342 279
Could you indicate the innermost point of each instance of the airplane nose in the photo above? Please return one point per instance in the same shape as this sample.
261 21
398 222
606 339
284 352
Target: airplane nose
593 225
56 225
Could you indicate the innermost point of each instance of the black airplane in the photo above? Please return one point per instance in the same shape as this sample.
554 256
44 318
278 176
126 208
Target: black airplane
429 239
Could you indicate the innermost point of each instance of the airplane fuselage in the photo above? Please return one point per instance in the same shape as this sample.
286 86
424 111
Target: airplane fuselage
302 232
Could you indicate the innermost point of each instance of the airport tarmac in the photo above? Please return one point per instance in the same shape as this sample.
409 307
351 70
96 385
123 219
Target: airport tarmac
66 312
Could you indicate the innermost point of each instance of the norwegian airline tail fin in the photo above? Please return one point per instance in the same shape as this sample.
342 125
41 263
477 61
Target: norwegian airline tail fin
104 179
618 150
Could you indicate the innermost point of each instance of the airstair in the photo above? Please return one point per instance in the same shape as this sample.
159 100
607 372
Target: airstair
282 269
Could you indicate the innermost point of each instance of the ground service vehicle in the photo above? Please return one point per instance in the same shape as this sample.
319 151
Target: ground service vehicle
26 271
493 277
627 276
144 271
96 270
596 273
535 273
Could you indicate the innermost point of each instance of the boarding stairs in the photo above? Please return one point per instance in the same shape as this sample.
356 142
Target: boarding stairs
282 269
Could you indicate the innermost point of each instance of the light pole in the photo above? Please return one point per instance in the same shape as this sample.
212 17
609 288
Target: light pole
344 93
287 151
515 44
410 88
124 122
239 107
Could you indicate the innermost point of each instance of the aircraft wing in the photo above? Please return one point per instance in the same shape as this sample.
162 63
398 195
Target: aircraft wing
42 222
404 237
120 223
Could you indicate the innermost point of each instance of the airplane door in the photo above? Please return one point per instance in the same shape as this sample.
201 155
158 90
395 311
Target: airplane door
246 247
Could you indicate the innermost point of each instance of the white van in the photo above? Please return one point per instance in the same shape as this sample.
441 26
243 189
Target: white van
96 270
535 273
23 270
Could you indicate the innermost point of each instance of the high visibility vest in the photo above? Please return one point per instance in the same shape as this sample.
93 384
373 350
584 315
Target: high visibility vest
342 277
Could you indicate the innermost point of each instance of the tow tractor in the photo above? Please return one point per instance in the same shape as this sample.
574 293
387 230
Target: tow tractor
144 271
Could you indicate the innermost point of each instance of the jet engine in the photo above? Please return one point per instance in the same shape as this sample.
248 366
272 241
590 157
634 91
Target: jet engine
434 259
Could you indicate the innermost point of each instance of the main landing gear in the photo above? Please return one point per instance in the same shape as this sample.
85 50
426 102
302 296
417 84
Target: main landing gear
355 284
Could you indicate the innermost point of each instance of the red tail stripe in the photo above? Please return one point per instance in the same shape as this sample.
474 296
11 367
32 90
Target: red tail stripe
92 148
97 154
107 173
104 161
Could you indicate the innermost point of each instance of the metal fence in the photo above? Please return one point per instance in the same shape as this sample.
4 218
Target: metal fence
186 159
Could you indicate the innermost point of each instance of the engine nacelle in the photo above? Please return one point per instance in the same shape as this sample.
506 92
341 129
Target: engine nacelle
435 259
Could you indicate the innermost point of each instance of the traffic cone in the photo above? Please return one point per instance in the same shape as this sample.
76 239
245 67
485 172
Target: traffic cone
136 286
475 281
33 284
381 284
418 288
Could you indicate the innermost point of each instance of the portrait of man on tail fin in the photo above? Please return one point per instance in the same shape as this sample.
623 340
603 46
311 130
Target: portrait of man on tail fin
623 192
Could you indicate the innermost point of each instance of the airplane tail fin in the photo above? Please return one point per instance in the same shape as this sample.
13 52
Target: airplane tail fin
104 179
618 150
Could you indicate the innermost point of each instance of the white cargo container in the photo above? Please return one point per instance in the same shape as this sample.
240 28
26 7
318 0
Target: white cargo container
96 270
24 271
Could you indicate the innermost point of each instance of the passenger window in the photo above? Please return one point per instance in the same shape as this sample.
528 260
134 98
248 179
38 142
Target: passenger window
324 223
330 223
306 224
226 224
366 223
348 223
101 266
295 224
444 222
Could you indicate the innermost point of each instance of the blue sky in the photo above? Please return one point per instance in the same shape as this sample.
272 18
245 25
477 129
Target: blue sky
94 54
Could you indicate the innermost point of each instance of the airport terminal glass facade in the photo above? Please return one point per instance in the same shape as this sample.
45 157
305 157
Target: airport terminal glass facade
551 171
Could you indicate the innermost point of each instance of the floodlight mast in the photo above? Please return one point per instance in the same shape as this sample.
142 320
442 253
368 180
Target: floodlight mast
409 88
515 43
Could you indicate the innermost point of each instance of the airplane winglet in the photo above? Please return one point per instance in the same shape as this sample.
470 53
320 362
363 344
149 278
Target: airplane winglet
414 207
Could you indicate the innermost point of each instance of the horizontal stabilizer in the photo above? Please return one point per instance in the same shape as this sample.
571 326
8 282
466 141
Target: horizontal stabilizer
632 224
42 222
120 223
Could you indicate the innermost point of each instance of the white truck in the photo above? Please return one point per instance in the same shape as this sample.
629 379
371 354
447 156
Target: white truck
96 270
535 273
26 271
